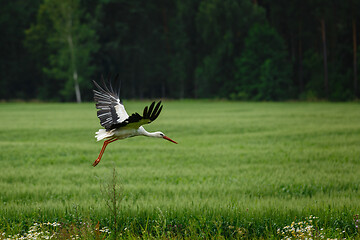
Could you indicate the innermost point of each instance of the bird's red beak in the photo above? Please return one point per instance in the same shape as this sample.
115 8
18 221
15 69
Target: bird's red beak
169 139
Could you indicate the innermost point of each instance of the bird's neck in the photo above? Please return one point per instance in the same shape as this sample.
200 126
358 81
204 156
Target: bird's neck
143 132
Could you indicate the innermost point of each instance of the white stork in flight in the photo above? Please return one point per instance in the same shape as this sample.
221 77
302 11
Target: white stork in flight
117 123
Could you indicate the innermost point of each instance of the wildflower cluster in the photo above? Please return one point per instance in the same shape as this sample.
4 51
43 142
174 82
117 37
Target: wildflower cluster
105 230
36 231
55 231
306 229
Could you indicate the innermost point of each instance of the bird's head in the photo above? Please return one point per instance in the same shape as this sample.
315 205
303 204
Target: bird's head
162 135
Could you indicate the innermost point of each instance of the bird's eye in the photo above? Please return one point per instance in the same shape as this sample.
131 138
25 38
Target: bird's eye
161 134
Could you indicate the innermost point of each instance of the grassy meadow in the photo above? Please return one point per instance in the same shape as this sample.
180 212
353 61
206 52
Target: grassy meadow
240 169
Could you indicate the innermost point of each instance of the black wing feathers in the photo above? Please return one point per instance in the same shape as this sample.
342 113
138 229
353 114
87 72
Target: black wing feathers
151 108
135 117
149 113
152 113
145 111
156 111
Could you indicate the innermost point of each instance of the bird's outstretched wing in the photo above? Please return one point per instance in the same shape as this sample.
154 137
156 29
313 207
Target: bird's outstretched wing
136 120
111 111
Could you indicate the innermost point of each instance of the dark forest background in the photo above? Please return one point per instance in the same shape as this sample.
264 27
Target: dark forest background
236 49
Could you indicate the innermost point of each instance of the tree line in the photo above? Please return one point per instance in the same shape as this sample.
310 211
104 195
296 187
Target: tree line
266 50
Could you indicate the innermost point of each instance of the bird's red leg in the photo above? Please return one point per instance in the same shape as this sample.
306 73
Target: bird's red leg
103 149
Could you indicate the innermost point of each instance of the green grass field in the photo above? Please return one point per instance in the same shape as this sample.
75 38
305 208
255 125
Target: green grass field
254 167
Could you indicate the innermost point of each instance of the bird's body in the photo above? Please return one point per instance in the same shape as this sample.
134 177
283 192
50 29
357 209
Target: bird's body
123 132
117 123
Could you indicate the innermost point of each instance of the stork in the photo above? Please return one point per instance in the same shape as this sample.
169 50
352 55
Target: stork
117 123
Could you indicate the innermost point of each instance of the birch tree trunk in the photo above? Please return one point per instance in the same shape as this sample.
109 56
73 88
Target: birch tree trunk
300 57
355 59
73 63
326 81
167 46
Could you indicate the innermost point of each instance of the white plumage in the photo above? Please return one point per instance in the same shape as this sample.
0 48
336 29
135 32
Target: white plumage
102 134
117 123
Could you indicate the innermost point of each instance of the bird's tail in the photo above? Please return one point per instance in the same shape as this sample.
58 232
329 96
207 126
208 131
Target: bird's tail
102 134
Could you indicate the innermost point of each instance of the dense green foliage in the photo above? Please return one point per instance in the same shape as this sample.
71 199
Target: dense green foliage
273 69
255 166
239 49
